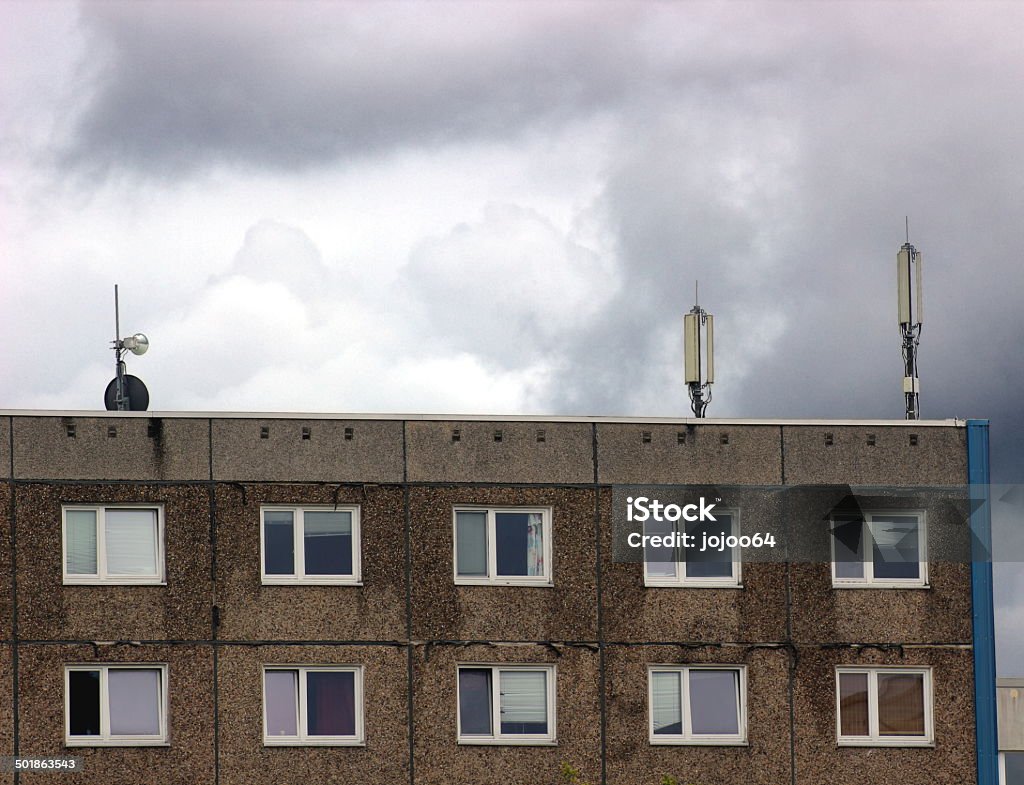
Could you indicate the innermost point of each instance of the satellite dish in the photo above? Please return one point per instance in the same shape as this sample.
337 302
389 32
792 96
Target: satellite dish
138 395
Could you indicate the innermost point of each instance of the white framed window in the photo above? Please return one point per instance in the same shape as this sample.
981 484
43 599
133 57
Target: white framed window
115 705
506 704
673 565
120 544
884 706
508 546
307 705
698 704
310 545
882 550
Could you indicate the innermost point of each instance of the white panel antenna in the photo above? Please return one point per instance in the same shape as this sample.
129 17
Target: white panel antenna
699 384
910 307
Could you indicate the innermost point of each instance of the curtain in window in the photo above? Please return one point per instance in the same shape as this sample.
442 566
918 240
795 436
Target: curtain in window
523 701
714 702
475 701
281 690
535 544
896 553
853 704
131 542
327 542
330 703
80 533
471 543
666 703
134 697
901 704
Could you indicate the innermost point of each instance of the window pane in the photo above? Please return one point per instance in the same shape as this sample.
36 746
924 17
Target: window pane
512 538
281 688
475 701
331 703
471 543
895 551
710 563
524 701
84 703
853 704
661 561
278 543
667 703
1014 762
81 542
134 701
327 539
131 542
714 702
848 544
901 704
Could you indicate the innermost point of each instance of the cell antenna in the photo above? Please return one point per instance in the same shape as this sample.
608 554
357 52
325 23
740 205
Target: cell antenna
126 393
911 311
699 384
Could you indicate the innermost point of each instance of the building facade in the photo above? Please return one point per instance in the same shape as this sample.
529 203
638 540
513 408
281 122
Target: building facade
227 599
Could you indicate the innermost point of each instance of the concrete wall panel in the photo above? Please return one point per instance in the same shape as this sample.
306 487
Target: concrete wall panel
6 708
764 760
440 760
144 448
189 757
51 611
244 759
372 454
6 599
938 458
678 454
564 456
565 611
252 611
819 761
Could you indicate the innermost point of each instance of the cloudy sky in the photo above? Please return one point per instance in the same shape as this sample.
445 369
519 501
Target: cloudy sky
502 208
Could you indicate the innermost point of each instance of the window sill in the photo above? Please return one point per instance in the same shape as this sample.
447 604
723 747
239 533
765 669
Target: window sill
311 582
924 743
115 743
509 742
115 582
693 585
311 743
880 585
662 742
503 582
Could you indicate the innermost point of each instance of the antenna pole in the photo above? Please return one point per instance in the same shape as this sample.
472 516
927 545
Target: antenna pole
121 401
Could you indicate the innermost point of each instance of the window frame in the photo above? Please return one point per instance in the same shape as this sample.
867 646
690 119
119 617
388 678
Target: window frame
497 738
874 739
102 577
299 578
681 580
303 738
492 578
869 581
687 737
105 738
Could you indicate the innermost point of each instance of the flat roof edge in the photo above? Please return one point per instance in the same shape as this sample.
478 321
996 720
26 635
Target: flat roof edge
611 419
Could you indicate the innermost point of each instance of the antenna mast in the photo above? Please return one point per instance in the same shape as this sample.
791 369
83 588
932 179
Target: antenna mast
699 385
125 392
910 306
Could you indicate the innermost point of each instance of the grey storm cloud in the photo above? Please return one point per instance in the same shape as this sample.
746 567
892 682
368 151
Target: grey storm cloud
173 87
